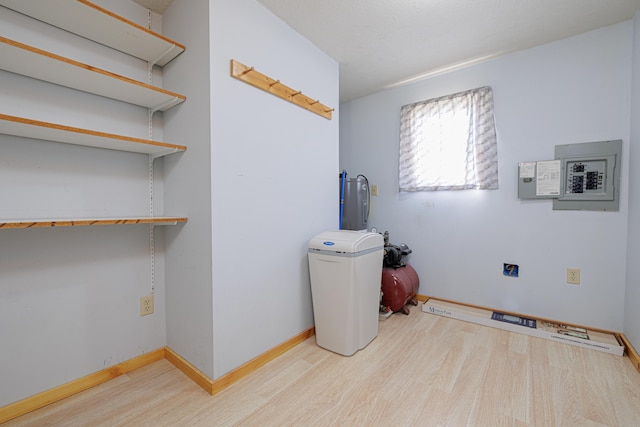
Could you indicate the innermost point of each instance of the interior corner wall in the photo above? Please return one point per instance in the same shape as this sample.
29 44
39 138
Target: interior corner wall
69 296
188 188
632 298
274 180
570 91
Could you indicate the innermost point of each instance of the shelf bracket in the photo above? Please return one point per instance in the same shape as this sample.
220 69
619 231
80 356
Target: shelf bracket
162 55
255 78
164 153
165 104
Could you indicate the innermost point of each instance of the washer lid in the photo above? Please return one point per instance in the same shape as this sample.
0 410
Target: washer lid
346 241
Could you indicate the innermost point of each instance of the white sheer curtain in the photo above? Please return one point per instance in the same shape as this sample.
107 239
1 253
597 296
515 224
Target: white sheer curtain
449 143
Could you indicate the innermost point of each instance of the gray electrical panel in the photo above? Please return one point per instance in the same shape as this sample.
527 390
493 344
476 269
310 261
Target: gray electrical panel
582 177
591 176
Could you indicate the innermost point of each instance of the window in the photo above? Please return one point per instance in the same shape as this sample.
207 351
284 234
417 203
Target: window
449 143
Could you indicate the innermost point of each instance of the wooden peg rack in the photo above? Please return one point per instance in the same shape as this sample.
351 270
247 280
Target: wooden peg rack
274 87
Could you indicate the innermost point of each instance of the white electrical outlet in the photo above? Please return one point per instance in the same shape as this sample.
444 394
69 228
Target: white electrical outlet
146 305
573 276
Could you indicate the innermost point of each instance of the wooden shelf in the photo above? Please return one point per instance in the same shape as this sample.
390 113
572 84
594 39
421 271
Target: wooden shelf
90 21
19 126
39 64
42 223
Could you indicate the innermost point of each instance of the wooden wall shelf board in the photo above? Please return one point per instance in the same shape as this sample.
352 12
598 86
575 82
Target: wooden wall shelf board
19 126
90 21
44 223
255 78
29 61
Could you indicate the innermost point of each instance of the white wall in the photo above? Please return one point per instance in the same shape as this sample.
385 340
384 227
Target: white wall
189 263
632 298
272 168
69 297
571 91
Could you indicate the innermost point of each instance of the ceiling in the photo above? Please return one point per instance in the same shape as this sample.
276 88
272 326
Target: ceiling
383 43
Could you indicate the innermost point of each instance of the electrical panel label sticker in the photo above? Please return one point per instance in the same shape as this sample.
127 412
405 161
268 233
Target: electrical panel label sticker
548 178
527 169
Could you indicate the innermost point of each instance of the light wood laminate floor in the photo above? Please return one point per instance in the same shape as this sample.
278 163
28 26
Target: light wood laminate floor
421 370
